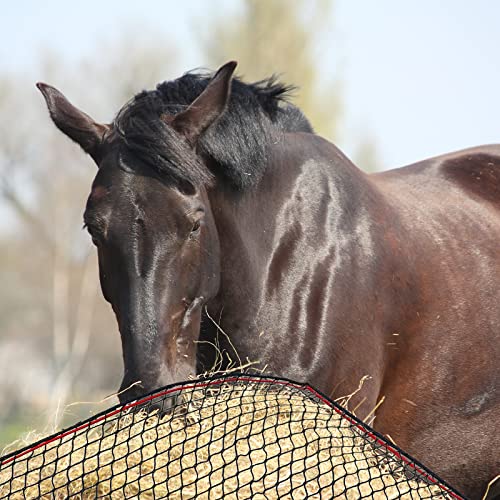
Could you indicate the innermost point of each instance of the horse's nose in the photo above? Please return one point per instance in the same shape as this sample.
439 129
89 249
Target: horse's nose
158 405
139 399
130 391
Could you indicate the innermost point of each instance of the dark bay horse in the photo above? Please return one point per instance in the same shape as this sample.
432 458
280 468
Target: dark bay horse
215 199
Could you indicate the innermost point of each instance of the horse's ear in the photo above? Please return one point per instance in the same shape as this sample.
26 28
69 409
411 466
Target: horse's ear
207 107
74 123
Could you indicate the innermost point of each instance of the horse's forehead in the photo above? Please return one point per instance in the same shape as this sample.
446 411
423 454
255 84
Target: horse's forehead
114 189
112 181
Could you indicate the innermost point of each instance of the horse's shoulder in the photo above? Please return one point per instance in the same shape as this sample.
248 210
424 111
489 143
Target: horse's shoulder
475 170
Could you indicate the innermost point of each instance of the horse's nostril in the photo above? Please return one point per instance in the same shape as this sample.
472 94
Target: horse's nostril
130 391
161 408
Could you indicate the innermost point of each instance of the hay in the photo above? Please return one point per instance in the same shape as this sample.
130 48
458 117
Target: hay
231 440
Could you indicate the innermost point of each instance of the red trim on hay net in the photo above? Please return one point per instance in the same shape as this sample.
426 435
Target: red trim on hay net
419 468
379 440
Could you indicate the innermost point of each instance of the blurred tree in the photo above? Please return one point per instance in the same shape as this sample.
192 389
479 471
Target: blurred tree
366 155
281 37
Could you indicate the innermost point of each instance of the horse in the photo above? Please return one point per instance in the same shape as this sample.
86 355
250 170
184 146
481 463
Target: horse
226 228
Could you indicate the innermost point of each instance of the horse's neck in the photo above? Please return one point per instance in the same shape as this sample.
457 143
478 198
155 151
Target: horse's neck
298 252
313 199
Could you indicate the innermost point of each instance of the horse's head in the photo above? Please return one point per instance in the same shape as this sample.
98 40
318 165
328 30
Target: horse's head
158 248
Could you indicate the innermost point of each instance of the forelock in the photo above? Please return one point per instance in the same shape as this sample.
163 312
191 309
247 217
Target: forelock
256 115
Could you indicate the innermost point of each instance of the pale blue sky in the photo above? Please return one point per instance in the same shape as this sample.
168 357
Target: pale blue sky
421 77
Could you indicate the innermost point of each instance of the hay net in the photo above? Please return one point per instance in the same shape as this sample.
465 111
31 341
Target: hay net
235 437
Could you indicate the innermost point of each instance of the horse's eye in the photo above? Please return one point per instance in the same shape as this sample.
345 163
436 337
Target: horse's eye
197 222
196 227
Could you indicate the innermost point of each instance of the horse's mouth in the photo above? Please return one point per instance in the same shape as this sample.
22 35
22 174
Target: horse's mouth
157 406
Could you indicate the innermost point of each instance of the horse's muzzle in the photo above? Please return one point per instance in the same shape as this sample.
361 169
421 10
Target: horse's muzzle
160 405
137 401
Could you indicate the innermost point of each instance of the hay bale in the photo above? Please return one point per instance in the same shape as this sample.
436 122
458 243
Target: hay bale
232 439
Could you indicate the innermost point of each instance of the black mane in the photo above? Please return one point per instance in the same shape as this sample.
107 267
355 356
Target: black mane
256 115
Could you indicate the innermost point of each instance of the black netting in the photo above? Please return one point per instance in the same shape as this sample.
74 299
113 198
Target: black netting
232 437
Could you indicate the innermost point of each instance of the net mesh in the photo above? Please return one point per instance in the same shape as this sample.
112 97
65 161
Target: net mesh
233 437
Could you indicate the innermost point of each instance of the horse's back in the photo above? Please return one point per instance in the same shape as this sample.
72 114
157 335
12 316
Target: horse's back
449 203
475 171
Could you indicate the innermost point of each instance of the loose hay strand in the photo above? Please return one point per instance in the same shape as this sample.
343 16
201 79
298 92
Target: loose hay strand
232 437
496 478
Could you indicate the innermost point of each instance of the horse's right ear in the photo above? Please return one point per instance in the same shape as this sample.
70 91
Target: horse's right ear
207 107
77 125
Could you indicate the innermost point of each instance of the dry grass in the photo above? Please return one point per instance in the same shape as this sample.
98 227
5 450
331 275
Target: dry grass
229 441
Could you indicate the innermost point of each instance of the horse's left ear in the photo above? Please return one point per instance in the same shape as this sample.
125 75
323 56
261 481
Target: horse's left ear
76 124
207 107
